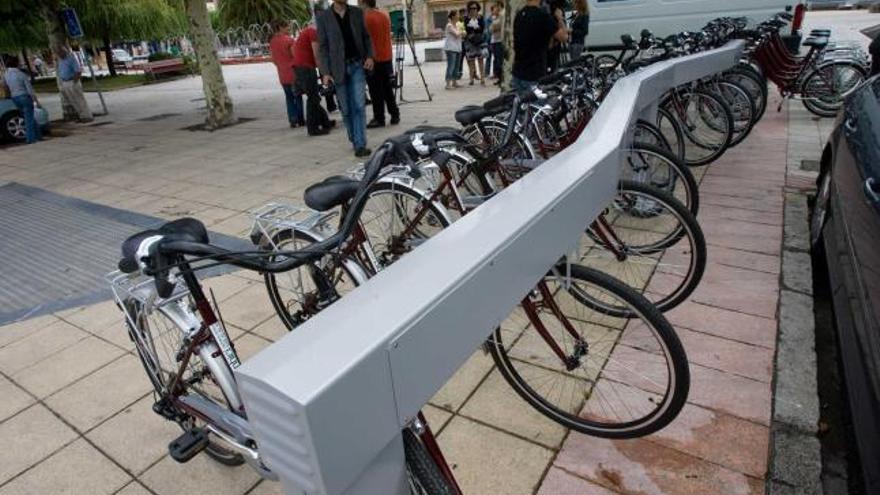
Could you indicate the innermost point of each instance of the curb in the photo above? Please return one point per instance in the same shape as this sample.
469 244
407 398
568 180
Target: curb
795 465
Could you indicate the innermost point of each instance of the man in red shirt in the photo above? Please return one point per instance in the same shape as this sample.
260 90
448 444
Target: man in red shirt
281 48
381 80
305 62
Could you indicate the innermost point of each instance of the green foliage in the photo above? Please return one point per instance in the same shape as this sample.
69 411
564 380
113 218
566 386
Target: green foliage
243 13
128 19
160 56
21 25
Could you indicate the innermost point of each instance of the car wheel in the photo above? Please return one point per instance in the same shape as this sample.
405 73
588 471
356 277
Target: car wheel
12 125
820 208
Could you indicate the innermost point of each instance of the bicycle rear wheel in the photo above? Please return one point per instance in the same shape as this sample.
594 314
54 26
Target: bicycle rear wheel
658 167
662 256
617 377
824 88
158 342
706 123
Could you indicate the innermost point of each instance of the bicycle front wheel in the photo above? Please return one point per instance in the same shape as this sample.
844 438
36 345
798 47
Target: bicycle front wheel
590 371
424 475
823 89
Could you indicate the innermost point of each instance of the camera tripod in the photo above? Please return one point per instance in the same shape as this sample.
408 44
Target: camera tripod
402 41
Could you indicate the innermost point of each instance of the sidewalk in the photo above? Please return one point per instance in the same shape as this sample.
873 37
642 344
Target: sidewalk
76 412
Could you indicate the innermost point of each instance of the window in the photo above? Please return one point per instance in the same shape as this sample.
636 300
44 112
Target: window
440 17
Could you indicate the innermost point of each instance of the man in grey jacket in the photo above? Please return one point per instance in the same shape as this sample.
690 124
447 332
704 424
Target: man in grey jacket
345 52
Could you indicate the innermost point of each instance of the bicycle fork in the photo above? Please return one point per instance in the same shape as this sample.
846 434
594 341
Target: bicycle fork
531 307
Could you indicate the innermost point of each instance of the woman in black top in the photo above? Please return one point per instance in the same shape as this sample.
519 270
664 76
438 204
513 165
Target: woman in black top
475 42
580 27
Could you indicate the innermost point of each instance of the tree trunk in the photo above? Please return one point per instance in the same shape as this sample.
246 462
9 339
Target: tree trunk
220 111
27 63
511 7
57 38
108 55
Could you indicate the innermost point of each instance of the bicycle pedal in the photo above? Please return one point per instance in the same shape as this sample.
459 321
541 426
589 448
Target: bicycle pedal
186 446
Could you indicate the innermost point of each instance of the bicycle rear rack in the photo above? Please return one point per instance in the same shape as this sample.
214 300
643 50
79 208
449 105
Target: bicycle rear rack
277 217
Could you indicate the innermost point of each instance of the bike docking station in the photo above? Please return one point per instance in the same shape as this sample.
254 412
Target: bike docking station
328 401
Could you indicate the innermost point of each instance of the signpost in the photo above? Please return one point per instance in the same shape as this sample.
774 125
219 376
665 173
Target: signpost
75 31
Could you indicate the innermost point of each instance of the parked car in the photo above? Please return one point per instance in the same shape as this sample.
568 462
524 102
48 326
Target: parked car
845 230
120 55
12 122
825 4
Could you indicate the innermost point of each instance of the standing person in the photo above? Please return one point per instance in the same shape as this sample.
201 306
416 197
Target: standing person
557 10
39 65
533 30
487 38
452 47
22 94
345 52
580 28
70 73
462 15
305 55
496 42
380 80
474 42
282 51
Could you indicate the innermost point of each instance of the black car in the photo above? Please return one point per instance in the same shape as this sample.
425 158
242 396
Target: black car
845 227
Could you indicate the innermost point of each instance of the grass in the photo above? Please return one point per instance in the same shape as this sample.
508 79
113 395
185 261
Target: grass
106 83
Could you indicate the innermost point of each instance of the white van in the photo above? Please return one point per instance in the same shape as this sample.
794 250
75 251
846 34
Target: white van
611 18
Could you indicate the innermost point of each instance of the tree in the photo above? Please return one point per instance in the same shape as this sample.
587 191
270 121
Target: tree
243 13
220 110
21 26
106 21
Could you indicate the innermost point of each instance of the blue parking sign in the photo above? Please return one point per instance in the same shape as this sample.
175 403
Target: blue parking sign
71 22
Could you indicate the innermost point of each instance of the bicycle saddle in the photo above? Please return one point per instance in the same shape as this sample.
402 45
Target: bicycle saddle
470 114
183 229
815 41
330 192
820 32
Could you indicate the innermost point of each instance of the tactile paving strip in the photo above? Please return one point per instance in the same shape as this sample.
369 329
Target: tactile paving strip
55 250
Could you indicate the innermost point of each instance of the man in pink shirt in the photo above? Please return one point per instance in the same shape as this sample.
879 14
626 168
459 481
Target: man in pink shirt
281 48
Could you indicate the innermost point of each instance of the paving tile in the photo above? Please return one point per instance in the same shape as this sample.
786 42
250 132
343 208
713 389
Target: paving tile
14 398
732 325
643 467
497 404
437 418
248 308
101 394
248 345
96 317
200 476
720 438
559 482
66 366
738 396
29 437
727 355
136 437
133 488
268 488
272 329
485 460
747 236
16 331
226 286
454 393
38 346
710 212
78 468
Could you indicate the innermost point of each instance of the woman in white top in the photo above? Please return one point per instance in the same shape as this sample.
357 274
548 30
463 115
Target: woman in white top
452 46
23 97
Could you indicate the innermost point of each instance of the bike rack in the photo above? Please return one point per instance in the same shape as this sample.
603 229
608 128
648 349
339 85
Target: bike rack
328 401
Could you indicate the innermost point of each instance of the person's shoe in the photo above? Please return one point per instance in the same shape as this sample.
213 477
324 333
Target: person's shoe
294 125
374 124
320 132
395 120
471 83
330 124
362 152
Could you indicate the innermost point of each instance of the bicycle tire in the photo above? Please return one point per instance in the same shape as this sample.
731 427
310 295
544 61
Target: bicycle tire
666 172
671 130
133 310
517 360
715 149
754 84
821 100
685 238
648 133
318 276
742 108
425 477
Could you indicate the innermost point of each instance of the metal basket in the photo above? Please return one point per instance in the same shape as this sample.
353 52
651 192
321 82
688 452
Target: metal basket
276 217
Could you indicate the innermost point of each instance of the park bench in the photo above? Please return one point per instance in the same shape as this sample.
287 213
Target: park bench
164 67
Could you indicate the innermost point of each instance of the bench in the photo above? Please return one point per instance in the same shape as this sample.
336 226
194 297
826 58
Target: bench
164 67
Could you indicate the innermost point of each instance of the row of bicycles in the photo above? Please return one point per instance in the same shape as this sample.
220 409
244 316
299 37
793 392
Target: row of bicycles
588 346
